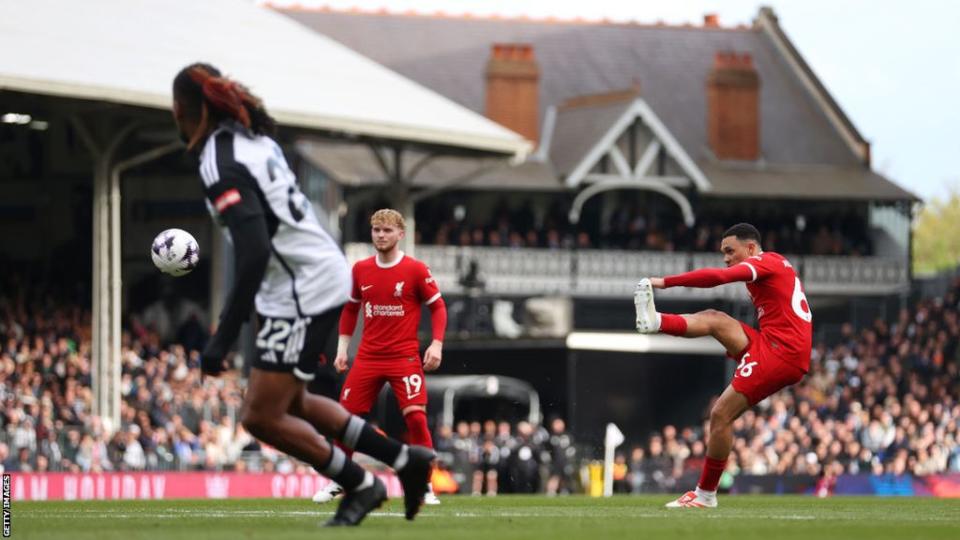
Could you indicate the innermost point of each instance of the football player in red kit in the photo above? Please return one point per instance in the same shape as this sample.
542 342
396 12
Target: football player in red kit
773 358
388 291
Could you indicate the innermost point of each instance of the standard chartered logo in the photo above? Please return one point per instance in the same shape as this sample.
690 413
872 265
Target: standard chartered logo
385 310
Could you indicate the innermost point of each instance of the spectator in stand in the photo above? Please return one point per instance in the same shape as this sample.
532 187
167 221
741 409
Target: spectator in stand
485 476
658 468
881 399
465 455
631 225
621 482
561 457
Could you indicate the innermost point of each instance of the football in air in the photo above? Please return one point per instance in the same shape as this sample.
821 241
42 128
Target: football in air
175 252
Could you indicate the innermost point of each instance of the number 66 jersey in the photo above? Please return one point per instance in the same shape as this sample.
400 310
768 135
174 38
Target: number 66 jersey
782 309
779 354
245 176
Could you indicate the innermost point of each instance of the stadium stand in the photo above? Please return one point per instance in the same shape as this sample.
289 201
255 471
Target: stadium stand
881 400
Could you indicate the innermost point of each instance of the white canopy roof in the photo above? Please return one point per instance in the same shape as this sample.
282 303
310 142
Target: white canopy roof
128 51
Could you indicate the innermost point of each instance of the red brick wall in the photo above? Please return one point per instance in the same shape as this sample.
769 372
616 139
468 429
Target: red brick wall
733 107
513 89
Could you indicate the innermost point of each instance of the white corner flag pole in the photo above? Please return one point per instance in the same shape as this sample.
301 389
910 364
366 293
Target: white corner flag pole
611 441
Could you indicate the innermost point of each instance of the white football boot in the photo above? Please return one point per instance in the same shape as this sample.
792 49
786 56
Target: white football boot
694 499
430 497
648 320
327 493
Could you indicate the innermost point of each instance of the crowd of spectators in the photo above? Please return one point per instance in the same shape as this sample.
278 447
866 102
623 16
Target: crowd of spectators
881 401
630 227
498 457
168 420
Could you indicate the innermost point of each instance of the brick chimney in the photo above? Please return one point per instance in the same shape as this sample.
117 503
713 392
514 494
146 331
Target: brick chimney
711 20
733 107
513 88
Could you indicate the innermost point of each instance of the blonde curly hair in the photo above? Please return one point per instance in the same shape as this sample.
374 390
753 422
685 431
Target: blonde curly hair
388 217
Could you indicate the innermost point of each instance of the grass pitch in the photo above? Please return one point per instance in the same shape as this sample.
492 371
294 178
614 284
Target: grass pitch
499 518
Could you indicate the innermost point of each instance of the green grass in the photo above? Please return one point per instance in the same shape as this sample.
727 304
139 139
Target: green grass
499 518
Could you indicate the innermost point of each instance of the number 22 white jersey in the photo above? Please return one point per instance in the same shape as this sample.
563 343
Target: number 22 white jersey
307 273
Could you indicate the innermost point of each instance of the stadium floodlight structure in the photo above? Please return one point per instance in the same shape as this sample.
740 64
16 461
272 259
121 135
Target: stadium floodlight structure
109 65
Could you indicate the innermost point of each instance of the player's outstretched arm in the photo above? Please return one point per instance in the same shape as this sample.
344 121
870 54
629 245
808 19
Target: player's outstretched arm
705 278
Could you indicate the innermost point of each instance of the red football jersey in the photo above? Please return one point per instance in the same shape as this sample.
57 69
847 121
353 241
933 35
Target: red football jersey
390 297
782 309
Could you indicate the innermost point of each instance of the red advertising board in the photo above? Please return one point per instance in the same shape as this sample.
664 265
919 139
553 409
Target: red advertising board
173 485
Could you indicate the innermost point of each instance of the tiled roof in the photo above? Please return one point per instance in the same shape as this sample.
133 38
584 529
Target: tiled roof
671 63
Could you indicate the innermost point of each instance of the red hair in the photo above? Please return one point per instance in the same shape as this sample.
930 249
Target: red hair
209 97
225 95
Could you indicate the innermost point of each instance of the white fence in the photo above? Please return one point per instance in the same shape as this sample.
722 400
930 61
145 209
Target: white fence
613 273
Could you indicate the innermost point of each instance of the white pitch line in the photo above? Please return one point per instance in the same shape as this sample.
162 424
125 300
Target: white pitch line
666 515
180 513
551 513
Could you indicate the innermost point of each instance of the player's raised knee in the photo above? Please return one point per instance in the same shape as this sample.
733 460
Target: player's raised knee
712 315
717 417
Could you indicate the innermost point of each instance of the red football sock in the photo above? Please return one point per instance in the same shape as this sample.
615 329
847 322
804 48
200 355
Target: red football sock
347 451
712 470
675 325
417 431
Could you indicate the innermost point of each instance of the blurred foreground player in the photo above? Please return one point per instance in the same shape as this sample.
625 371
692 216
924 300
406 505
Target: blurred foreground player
775 357
389 289
298 278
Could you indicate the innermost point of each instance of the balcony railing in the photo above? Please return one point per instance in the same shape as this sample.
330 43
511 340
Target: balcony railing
613 273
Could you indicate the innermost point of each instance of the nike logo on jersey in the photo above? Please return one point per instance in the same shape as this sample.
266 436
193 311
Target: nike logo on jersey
365 287
346 392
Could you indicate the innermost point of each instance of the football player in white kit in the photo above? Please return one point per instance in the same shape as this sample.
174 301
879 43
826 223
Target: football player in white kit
295 274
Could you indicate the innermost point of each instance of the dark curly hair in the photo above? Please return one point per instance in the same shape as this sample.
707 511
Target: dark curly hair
743 232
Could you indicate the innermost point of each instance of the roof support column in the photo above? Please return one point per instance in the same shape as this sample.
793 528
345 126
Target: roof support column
105 354
107 285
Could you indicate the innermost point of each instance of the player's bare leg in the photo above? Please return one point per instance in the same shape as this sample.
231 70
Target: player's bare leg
329 418
731 404
710 322
727 408
266 415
